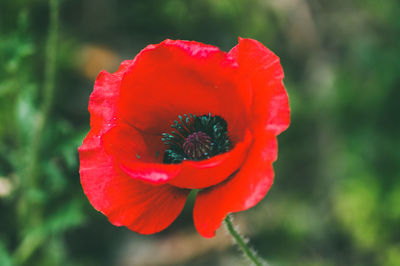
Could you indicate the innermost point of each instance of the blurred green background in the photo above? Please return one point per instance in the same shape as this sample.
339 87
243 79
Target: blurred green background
336 196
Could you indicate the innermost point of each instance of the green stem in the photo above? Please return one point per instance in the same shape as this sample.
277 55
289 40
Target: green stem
31 179
248 252
30 211
48 88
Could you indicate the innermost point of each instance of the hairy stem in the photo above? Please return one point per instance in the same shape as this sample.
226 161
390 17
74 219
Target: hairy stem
247 251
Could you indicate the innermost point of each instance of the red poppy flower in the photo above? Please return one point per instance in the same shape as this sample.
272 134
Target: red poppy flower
184 115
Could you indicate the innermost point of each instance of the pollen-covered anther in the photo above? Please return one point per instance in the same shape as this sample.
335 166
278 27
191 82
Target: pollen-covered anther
197 146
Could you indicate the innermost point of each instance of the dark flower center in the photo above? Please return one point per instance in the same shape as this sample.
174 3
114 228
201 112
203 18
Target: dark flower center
196 138
197 146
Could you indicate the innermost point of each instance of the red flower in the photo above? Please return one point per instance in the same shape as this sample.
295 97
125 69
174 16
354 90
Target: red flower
235 106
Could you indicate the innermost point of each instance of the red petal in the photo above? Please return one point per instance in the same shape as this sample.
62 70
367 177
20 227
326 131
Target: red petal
242 191
125 201
182 77
270 107
139 155
143 208
104 98
270 116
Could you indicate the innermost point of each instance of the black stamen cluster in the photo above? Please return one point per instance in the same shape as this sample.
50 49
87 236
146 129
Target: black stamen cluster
187 129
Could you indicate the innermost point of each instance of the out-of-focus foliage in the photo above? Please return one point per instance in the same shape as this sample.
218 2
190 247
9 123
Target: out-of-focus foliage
336 197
